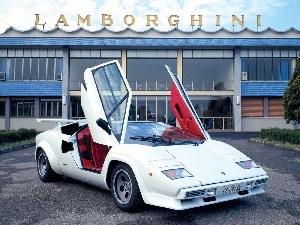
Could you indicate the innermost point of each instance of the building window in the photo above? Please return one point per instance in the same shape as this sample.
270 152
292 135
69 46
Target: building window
151 108
252 106
208 74
76 111
149 73
2 68
2 107
77 68
218 108
32 68
22 107
268 69
275 107
50 107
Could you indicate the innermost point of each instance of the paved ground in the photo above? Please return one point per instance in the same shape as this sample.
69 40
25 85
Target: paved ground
26 200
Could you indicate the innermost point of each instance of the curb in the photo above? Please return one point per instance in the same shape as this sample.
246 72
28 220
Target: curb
15 148
275 145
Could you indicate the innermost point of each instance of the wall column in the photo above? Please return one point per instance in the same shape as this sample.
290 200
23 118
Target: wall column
179 64
237 112
7 112
124 61
65 84
36 107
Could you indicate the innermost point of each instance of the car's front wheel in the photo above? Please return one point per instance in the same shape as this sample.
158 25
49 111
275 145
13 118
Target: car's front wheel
45 172
125 190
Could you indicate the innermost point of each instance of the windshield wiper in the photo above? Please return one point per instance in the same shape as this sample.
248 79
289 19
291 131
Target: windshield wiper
156 139
194 142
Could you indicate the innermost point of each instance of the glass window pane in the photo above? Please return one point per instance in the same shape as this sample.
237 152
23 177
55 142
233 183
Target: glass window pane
10 68
149 74
276 69
77 68
42 68
208 74
26 69
260 69
34 69
132 110
50 69
19 68
2 65
268 69
161 109
252 69
76 110
151 108
285 69
141 108
244 65
2 108
59 67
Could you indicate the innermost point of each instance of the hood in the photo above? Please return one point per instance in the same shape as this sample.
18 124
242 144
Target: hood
209 166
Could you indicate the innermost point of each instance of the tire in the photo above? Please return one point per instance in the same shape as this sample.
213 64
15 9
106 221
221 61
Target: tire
45 172
125 190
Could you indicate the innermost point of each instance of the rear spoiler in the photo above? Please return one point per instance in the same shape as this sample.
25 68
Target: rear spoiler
61 122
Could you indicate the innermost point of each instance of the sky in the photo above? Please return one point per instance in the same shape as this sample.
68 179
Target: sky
279 15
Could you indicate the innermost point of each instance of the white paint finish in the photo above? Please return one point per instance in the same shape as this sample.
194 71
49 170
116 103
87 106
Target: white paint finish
257 123
3 52
244 53
187 53
75 53
111 54
30 123
51 53
27 53
284 53
43 53
95 53
59 53
85 53
19 53
2 123
252 53
35 52
276 53
268 53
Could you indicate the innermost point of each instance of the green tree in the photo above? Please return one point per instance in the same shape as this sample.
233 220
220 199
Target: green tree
291 97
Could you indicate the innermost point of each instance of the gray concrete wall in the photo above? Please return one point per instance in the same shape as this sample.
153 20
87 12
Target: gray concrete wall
257 123
2 123
30 123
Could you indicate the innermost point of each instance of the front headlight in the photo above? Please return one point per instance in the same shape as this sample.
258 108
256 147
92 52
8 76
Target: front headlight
248 164
176 173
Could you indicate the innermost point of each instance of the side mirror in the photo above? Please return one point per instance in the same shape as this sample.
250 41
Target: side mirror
104 125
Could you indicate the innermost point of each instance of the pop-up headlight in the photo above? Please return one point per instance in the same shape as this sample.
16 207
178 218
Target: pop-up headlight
176 173
248 164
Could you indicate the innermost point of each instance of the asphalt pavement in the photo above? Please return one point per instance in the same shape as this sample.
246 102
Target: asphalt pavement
24 199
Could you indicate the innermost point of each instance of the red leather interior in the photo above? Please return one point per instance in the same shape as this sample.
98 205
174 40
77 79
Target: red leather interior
98 151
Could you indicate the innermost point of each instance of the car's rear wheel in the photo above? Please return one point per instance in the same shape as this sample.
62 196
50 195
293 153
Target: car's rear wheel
125 190
44 169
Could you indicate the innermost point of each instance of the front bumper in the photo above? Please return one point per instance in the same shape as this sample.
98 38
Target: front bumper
209 194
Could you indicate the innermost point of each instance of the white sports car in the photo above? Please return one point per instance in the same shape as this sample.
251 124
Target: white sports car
144 162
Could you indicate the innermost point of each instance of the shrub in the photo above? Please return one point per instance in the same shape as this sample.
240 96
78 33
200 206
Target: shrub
282 135
7 136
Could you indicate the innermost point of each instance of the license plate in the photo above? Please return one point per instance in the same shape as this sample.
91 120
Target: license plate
231 188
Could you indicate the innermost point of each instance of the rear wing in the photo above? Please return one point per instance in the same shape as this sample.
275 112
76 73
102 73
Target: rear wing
62 122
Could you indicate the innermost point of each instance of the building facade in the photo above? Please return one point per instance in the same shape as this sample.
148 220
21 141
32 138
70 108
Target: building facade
236 78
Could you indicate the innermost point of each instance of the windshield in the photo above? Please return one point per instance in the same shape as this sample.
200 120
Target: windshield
156 133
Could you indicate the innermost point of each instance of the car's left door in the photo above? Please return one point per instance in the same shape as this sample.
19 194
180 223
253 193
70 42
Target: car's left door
105 100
